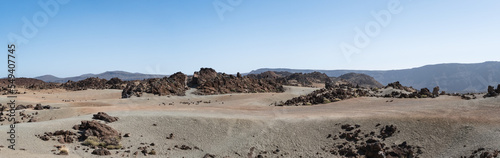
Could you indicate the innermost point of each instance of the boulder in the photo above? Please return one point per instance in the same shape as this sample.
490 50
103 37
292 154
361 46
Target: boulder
424 92
435 91
20 107
387 131
38 107
105 117
101 152
103 132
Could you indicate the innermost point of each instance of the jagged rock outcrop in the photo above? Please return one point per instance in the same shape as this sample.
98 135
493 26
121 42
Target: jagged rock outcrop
435 91
492 92
424 93
115 83
208 82
400 91
397 85
89 83
175 84
293 79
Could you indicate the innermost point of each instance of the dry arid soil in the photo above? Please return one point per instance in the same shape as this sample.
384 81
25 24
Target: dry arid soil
248 125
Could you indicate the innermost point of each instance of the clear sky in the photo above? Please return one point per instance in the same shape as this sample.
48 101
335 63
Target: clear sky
163 37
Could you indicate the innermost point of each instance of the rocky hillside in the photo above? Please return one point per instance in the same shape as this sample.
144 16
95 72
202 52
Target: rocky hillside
451 77
362 80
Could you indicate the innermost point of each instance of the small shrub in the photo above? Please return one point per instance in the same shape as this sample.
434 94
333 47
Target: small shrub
111 147
326 101
92 141
63 151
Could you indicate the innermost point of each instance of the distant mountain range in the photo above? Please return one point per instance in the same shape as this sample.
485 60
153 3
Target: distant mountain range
452 77
106 75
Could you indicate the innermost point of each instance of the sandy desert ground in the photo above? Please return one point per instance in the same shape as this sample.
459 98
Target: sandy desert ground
243 125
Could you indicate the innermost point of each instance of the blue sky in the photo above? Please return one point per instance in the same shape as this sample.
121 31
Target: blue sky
164 37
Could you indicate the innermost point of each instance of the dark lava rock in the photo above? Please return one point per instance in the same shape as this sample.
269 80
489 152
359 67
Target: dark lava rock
209 156
105 117
103 132
322 96
435 91
175 84
64 136
101 152
492 92
20 107
397 85
388 131
38 107
208 82
424 92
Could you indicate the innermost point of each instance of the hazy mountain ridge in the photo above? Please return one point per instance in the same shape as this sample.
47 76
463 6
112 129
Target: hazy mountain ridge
452 77
127 76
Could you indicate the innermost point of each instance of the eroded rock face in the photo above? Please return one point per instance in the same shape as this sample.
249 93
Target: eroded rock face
208 82
105 117
175 84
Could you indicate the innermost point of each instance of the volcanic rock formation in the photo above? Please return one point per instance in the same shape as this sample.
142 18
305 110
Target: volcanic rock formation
208 81
172 85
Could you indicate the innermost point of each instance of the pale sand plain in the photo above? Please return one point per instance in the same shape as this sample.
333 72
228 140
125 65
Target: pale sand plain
231 124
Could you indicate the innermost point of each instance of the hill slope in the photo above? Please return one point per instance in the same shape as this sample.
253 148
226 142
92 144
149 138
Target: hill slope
451 77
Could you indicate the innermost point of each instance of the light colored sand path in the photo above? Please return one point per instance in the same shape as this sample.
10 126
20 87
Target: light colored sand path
233 123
